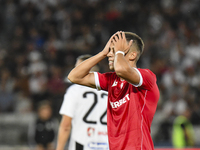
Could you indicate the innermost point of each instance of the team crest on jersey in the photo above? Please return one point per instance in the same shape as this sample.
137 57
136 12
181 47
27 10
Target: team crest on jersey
114 83
90 131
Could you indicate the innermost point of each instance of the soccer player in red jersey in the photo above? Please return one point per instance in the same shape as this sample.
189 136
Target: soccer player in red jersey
132 92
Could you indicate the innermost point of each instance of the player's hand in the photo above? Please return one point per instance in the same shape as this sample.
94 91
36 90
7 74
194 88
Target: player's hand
105 51
120 42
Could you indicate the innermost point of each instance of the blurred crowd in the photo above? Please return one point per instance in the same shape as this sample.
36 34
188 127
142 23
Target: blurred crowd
40 40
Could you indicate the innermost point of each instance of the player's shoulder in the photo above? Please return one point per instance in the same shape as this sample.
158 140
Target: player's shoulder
80 88
145 70
74 87
109 74
89 89
147 74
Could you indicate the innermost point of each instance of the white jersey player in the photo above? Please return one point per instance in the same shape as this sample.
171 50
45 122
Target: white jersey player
84 114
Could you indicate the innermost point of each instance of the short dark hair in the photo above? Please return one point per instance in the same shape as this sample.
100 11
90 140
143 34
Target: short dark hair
43 103
137 40
84 57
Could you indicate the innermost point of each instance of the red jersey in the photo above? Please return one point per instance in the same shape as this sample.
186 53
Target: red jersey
130 109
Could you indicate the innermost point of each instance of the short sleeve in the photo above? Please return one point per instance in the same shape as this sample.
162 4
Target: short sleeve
69 102
141 79
148 77
102 80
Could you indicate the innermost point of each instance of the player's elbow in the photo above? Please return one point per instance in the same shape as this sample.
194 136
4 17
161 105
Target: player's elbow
65 124
65 127
72 78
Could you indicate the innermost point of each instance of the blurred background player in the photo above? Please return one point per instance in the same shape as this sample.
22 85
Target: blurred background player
84 115
43 132
183 132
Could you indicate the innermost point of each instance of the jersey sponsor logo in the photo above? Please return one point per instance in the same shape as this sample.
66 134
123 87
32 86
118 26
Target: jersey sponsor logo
114 83
120 102
90 131
98 146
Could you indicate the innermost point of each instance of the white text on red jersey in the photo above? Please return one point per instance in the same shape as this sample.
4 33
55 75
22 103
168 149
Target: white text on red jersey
120 102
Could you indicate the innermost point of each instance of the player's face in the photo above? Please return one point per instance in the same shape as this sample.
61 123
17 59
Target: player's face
111 56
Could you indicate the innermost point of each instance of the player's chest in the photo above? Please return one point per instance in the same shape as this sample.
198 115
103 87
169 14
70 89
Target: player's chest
118 86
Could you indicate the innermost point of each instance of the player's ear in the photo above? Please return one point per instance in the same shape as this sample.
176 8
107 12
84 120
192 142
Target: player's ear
133 55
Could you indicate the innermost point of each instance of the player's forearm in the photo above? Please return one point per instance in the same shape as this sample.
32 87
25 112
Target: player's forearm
121 65
124 70
81 71
63 136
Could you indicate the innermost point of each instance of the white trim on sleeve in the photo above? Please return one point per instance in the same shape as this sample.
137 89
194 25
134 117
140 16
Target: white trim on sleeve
141 79
97 81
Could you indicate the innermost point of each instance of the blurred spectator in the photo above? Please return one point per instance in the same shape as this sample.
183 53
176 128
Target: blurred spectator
36 63
172 108
172 79
38 78
23 103
9 17
56 84
7 85
183 133
42 133
56 87
175 106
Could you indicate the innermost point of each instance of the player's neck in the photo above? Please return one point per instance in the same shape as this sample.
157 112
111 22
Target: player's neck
133 64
